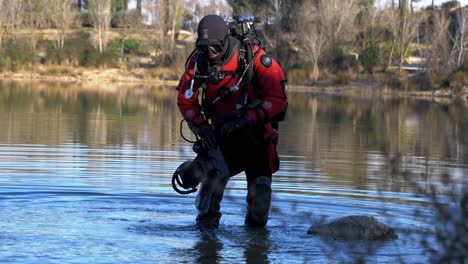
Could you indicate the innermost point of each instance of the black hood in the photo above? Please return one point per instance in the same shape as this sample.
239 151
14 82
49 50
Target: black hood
212 30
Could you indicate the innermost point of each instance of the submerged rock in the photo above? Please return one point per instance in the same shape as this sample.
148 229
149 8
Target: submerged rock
354 227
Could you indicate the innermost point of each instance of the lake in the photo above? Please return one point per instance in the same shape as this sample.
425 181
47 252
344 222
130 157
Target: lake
85 178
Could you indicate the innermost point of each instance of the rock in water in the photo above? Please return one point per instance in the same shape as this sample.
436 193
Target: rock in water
354 227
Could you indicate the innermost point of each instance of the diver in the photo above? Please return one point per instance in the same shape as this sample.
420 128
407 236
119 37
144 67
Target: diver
242 97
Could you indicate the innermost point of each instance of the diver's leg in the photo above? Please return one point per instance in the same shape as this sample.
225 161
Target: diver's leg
259 188
208 218
258 201
209 205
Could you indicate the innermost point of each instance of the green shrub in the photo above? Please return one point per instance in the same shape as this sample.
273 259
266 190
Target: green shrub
458 81
85 19
52 71
408 85
297 76
451 4
134 46
3 63
17 56
78 51
393 81
341 79
64 71
429 80
338 60
370 56
161 73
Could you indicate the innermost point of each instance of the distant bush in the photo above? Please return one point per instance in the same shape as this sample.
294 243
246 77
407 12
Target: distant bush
15 56
85 19
130 46
341 79
78 51
393 81
52 71
161 73
428 80
298 76
400 81
134 46
451 4
458 81
370 56
338 60
409 85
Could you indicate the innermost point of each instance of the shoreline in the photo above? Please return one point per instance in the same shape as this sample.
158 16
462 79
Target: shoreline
95 76
372 88
141 76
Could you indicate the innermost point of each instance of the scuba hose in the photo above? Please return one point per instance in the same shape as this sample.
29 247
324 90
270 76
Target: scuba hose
178 178
246 75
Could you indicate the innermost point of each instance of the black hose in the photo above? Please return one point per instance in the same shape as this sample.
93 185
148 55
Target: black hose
175 178
182 133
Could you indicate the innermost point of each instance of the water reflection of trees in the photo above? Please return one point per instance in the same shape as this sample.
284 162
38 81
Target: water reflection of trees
361 140
56 114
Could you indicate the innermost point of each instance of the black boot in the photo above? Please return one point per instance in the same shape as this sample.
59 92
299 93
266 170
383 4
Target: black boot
208 203
258 202
210 219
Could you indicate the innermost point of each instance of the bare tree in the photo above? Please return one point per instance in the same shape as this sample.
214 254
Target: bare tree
14 16
100 13
33 19
403 27
3 20
336 19
176 11
79 5
166 17
62 15
158 18
312 36
138 7
440 47
460 40
277 6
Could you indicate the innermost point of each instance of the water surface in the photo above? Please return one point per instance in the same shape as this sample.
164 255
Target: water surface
85 178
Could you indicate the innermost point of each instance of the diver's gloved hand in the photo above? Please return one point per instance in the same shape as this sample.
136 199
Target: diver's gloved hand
207 136
235 125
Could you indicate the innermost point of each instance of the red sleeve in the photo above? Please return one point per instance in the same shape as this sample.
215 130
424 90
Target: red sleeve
190 108
270 81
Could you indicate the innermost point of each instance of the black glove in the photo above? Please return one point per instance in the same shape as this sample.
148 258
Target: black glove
207 136
237 124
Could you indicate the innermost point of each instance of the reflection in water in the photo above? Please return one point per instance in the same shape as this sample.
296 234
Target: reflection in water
339 156
53 115
258 246
362 140
208 248
350 141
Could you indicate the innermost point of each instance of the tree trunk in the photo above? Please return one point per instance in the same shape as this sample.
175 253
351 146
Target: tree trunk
433 7
315 72
175 16
165 27
101 48
138 7
79 5
403 8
